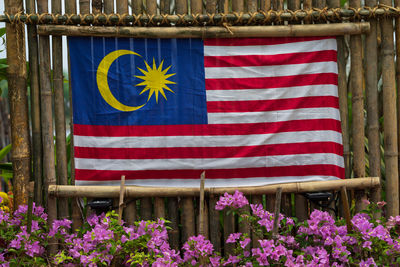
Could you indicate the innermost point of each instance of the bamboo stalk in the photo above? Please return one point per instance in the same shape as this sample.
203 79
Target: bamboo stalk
97 6
223 6
146 209
389 113
277 210
130 212
137 6
307 4
229 228
188 217
31 191
196 6
47 123
256 199
215 228
138 191
35 106
294 4
244 226
301 207
122 6
173 217
377 195
357 99
265 5
208 32
159 207
108 6
121 199
59 113
202 221
165 6
17 96
70 8
181 7
346 208
211 6
84 6
371 84
237 5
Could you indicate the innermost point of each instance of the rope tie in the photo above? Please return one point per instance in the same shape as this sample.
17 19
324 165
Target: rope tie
227 27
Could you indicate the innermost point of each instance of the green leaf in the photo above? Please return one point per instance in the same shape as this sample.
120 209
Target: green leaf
5 151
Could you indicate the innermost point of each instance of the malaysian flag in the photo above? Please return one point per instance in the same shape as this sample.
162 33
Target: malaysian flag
248 111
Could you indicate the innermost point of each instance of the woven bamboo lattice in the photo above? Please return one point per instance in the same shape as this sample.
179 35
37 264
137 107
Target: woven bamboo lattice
234 18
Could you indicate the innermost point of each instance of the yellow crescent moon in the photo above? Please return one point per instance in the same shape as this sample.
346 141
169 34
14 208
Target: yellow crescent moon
102 80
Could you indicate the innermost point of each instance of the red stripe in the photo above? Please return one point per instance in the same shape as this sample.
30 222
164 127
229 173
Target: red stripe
270 60
304 170
271 105
259 41
271 82
212 129
208 152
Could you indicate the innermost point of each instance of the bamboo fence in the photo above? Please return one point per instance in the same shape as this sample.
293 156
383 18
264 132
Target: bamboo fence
364 35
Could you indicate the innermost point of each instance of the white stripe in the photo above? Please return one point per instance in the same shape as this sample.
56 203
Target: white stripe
273 93
289 48
236 182
207 141
273 116
208 163
270 71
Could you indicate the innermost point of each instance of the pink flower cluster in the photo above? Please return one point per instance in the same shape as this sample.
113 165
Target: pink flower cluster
319 241
237 200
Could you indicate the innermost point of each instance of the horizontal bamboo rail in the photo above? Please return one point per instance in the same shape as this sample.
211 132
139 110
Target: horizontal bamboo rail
208 32
251 18
139 191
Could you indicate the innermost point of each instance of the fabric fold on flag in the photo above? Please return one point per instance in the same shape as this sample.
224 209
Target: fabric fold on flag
248 111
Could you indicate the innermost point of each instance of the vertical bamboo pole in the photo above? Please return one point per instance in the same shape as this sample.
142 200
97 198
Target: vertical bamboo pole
256 199
165 6
389 113
35 106
371 84
59 114
47 121
122 6
229 228
319 3
376 195
187 218
108 6
358 109
97 6
173 217
238 5
244 226
181 7
294 4
215 227
136 6
211 6
196 6
70 8
17 94
84 6
251 5
307 4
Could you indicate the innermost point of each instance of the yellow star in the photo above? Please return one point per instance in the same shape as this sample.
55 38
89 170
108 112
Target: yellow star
155 80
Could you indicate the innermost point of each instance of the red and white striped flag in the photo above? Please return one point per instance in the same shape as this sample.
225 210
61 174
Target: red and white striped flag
272 116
